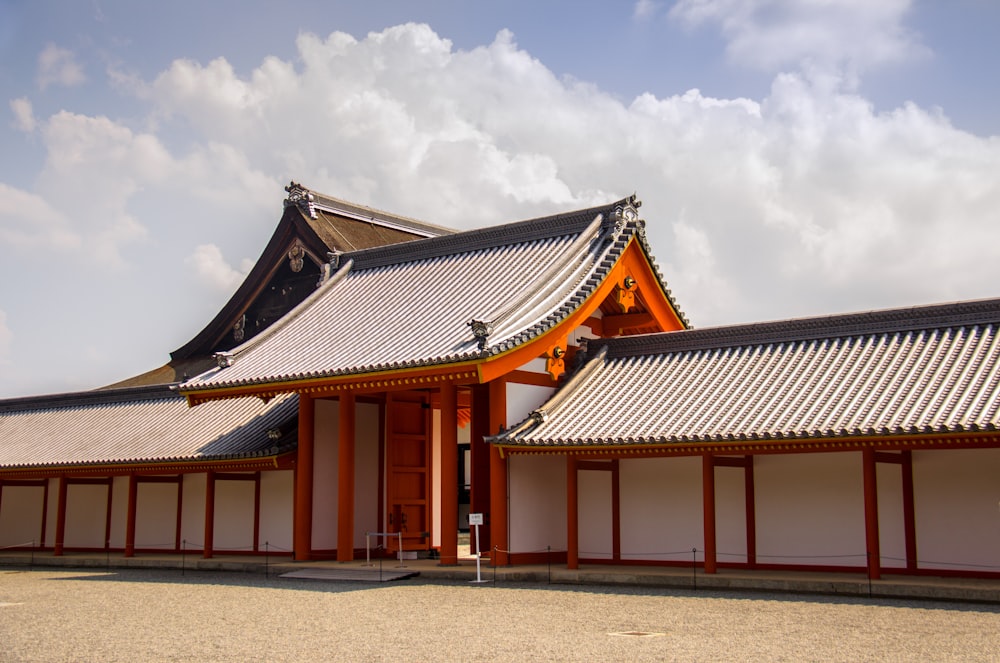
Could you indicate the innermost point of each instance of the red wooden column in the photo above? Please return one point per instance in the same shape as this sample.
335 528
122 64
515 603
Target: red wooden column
479 452
750 504
133 493
60 518
572 514
209 514
871 514
909 512
449 474
302 517
345 479
708 503
498 476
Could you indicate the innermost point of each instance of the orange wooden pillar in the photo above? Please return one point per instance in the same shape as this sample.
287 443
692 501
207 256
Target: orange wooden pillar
345 479
909 512
708 503
479 452
449 474
750 505
871 514
572 514
209 515
60 517
302 517
133 493
498 476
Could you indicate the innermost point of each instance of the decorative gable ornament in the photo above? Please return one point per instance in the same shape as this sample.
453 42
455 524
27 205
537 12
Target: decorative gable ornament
300 197
481 329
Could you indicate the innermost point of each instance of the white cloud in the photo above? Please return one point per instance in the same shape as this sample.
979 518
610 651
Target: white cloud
58 66
213 271
644 9
847 35
28 221
24 117
6 339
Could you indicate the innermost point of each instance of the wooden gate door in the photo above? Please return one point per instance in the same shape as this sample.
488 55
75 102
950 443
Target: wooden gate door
408 458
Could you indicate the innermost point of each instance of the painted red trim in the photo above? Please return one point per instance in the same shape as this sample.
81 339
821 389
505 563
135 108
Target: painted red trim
708 504
345 478
909 512
750 504
499 534
60 518
616 511
871 513
448 479
209 515
302 507
572 514
256 512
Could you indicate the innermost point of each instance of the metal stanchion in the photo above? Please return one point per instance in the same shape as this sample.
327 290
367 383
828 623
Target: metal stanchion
694 568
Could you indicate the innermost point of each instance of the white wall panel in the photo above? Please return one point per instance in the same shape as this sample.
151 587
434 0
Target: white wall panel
595 514
324 527
156 515
21 510
277 496
234 509
661 503
537 516
193 508
119 511
86 515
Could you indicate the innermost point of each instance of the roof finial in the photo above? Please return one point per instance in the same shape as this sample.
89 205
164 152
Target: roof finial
481 329
301 197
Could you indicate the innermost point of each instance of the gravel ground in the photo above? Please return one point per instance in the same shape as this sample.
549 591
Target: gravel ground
136 615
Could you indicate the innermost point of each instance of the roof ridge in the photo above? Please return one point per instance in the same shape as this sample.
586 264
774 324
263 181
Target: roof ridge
556 225
916 318
93 397
309 200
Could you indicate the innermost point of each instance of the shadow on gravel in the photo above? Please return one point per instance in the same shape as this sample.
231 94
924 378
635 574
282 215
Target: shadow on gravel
253 580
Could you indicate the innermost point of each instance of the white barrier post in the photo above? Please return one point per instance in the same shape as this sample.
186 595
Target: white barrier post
476 519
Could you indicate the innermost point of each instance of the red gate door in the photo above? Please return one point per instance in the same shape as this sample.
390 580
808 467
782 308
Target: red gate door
408 457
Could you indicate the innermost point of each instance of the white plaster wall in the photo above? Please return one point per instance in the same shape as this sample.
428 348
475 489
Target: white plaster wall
523 398
537 516
86 514
193 511
892 535
155 515
810 509
957 505
234 508
326 468
730 515
366 472
119 511
277 496
21 515
324 532
595 514
661 504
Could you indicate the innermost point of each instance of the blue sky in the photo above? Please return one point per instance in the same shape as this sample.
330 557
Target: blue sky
794 158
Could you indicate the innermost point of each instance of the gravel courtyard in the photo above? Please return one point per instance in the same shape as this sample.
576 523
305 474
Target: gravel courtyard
136 615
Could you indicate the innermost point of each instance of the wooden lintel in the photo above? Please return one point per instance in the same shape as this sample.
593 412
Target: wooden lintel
24 482
72 481
886 457
145 478
617 323
730 461
600 465
528 377
229 476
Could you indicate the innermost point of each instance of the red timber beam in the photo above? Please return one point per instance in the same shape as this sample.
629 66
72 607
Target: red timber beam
498 476
708 507
572 514
302 513
345 478
449 475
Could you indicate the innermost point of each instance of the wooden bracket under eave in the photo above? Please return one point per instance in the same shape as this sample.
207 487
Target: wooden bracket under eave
555 358
626 293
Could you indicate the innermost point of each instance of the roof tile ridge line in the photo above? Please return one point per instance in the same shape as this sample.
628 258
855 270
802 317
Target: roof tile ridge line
226 358
661 280
329 203
934 316
487 237
90 397
579 245
539 415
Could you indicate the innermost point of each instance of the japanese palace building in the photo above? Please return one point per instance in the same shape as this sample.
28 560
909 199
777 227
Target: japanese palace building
378 374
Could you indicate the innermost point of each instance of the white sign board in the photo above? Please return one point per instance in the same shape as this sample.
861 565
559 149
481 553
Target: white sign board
475 519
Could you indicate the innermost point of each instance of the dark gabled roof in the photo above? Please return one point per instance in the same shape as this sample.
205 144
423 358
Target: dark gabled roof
930 369
413 305
139 425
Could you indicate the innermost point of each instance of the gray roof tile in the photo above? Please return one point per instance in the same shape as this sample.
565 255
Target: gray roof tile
933 369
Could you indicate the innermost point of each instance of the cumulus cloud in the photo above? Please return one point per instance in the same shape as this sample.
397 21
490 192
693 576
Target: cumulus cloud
213 271
58 66
28 221
24 116
850 35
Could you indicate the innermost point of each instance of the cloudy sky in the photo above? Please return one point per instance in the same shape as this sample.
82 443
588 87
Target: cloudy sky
794 157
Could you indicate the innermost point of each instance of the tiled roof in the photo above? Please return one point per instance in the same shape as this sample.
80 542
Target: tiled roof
147 425
933 369
418 303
